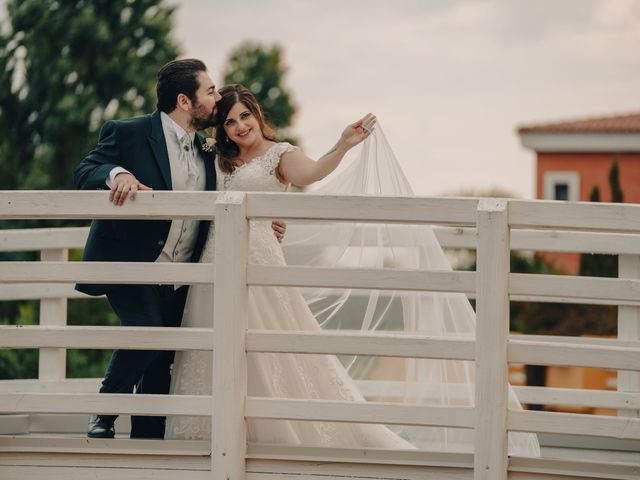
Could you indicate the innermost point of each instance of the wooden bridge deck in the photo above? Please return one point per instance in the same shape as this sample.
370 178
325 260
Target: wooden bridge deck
75 457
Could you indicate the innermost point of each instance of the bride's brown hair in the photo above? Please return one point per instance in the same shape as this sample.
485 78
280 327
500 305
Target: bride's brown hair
228 151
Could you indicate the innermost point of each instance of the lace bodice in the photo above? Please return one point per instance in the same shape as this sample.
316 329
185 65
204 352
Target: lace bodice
258 175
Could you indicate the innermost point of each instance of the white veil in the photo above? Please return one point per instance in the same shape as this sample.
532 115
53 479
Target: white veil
430 382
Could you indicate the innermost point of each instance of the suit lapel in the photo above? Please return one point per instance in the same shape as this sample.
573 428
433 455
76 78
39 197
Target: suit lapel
209 164
159 147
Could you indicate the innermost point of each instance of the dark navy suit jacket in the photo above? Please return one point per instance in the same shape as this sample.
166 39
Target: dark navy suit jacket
138 145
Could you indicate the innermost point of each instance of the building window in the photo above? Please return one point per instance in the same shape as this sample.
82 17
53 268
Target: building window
561 186
561 191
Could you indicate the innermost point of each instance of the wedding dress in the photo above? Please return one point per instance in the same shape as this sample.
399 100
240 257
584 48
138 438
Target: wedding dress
428 382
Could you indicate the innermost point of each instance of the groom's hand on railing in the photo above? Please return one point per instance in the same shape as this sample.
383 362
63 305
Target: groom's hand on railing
279 229
125 185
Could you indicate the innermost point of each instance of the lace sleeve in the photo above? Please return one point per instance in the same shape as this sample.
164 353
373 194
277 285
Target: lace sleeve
273 160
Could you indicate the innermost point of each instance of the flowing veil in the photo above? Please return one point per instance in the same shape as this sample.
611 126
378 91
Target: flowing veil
376 171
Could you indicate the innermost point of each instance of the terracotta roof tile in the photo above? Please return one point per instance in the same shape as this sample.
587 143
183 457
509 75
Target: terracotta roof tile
626 123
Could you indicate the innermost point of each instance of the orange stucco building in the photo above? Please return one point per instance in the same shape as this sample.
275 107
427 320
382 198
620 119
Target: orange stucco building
575 156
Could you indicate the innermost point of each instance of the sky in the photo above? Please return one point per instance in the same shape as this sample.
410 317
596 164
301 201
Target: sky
450 80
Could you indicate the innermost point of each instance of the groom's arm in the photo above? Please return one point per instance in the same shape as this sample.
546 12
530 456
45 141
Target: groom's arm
93 171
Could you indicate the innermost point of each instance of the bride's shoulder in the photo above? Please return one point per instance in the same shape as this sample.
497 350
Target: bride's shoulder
284 147
277 150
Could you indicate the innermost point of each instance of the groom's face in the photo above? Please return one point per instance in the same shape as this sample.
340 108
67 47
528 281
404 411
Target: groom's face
203 108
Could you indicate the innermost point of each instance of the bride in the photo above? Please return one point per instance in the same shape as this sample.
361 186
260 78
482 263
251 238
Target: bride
249 159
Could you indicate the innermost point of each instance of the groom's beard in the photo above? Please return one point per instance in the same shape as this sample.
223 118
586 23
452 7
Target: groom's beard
202 118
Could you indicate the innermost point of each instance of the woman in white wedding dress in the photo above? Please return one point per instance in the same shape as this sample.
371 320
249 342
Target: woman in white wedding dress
251 160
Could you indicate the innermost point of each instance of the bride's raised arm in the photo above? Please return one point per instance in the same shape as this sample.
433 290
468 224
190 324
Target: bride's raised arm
295 167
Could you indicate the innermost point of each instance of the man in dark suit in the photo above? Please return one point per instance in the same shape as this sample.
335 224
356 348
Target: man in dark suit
160 151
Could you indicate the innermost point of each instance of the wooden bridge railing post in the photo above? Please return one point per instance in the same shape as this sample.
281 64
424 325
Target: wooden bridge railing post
492 333
228 431
629 329
52 362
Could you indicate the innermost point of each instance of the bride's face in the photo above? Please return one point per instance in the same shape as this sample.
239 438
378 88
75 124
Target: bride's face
241 126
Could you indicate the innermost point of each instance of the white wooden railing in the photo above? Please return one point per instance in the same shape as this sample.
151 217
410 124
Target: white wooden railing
492 226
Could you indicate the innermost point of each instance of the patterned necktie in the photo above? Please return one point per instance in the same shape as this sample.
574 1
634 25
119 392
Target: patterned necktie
188 161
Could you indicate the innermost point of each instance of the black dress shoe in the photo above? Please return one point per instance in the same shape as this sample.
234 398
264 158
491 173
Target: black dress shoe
100 428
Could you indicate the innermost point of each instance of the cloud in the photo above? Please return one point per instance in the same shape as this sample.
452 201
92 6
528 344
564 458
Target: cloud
524 21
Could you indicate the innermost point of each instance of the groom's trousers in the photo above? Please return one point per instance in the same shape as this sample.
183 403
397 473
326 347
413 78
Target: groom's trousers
146 370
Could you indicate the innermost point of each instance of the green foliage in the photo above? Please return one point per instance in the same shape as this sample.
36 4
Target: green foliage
80 363
520 318
89 363
262 71
598 265
65 68
19 363
541 318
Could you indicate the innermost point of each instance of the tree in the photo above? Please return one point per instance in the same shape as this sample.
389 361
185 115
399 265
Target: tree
65 68
261 70
598 265
614 182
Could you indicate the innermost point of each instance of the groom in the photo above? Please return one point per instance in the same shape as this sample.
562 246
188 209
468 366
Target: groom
160 151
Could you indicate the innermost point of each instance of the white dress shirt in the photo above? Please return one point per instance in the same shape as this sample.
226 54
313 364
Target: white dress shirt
183 233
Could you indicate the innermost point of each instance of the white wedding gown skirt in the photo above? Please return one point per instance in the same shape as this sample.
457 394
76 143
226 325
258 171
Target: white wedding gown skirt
272 374
299 376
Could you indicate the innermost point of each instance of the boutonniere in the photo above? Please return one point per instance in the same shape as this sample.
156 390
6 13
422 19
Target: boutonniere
209 144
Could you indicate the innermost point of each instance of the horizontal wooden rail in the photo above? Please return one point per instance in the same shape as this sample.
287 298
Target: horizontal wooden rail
568 299
578 397
107 272
77 447
38 291
359 412
387 279
614 289
265 408
73 204
28 239
539 395
557 339
113 403
357 343
66 385
613 355
466 237
523 287
446 211
200 205
360 455
457 392
571 354
32 239
128 338
614 217
579 242
574 424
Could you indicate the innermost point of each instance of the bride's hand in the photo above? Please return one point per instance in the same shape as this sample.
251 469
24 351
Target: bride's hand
358 131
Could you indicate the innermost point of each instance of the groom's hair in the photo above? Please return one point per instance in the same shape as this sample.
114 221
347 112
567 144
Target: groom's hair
176 77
